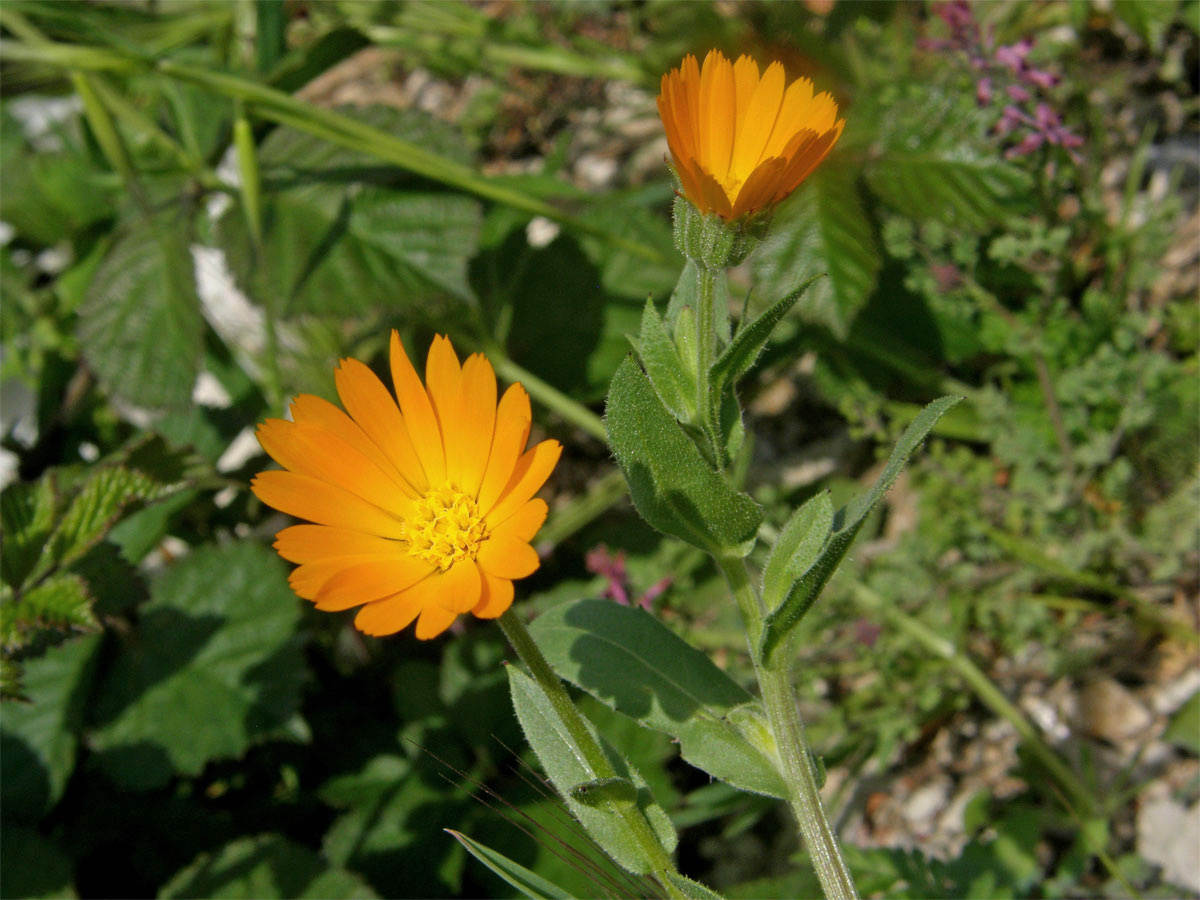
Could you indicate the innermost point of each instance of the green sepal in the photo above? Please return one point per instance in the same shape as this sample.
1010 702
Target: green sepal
675 386
712 241
671 484
849 519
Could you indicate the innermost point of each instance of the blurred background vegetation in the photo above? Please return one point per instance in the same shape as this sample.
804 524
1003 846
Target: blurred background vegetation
204 205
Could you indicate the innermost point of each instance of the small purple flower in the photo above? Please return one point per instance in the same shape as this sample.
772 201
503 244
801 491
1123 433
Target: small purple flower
1038 78
983 91
1013 56
1018 93
599 561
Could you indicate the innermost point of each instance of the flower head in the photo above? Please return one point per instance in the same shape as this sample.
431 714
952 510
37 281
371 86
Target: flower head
423 509
741 140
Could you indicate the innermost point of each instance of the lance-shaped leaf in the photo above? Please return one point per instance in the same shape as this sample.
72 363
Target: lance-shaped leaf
805 590
530 884
749 341
671 484
797 548
626 658
660 359
565 765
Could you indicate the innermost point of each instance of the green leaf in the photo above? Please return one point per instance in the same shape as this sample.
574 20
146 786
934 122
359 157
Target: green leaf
34 866
61 602
39 736
96 508
565 765
629 660
267 866
530 884
27 512
821 229
1184 728
344 235
671 484
661 361
805 590
749 341
213 667
140 325
687 296
797 548
693 890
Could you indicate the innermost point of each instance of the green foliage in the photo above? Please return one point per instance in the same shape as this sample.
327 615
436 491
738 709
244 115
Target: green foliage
565 766
344 235
627 659
671 484
267 866
806 586
217 668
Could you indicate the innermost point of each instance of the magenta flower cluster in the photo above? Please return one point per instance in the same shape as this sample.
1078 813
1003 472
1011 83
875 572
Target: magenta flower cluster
1006 77
611 566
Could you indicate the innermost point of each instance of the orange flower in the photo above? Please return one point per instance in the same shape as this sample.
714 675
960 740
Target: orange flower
423 510
742 142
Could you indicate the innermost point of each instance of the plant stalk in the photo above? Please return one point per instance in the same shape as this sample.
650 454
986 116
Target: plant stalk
548 395
527 649
706 340
794 755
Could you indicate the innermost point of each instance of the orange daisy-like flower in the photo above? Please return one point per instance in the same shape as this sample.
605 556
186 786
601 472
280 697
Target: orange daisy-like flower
422 510
741 141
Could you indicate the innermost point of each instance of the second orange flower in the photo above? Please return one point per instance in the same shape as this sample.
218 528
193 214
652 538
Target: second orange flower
422 509
743 140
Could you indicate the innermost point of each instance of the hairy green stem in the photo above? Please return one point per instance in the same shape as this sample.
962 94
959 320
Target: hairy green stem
639 828
706 345
986 691
794 755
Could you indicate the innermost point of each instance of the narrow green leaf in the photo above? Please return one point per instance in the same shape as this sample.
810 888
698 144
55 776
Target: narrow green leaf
692 890
804 592
661 361
741 353
629 660
822 228
565 765
672 486
797 547
530 884
140 325
603 791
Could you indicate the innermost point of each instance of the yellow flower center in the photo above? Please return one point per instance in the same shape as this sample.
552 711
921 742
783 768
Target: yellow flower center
445 527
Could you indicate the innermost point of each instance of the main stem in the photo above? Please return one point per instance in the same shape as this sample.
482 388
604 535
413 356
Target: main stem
527 649
706 341
791 744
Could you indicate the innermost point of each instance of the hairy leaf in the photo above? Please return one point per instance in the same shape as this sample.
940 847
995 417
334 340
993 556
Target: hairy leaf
671 484
627 659
565 765
530 884
805 590
660 359
797 548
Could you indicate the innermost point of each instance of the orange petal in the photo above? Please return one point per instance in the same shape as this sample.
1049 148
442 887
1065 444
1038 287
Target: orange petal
309 543
718 102
313 451
760 187
496 598
513 420
796 101
460 587
308 409
372 407
418 413
745 80
525 522
364 582
443 381
434 620
529 474
506 556
802 166
389 615
308 579
473 438
318 501
759 123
